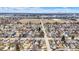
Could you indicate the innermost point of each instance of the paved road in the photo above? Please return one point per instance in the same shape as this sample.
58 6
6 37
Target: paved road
45 36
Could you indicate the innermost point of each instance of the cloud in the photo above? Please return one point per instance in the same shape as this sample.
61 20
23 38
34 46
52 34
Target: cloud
38 10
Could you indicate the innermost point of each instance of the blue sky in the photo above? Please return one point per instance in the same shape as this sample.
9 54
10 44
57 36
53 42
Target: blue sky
39 9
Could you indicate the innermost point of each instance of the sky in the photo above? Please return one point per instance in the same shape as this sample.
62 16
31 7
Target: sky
39 9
